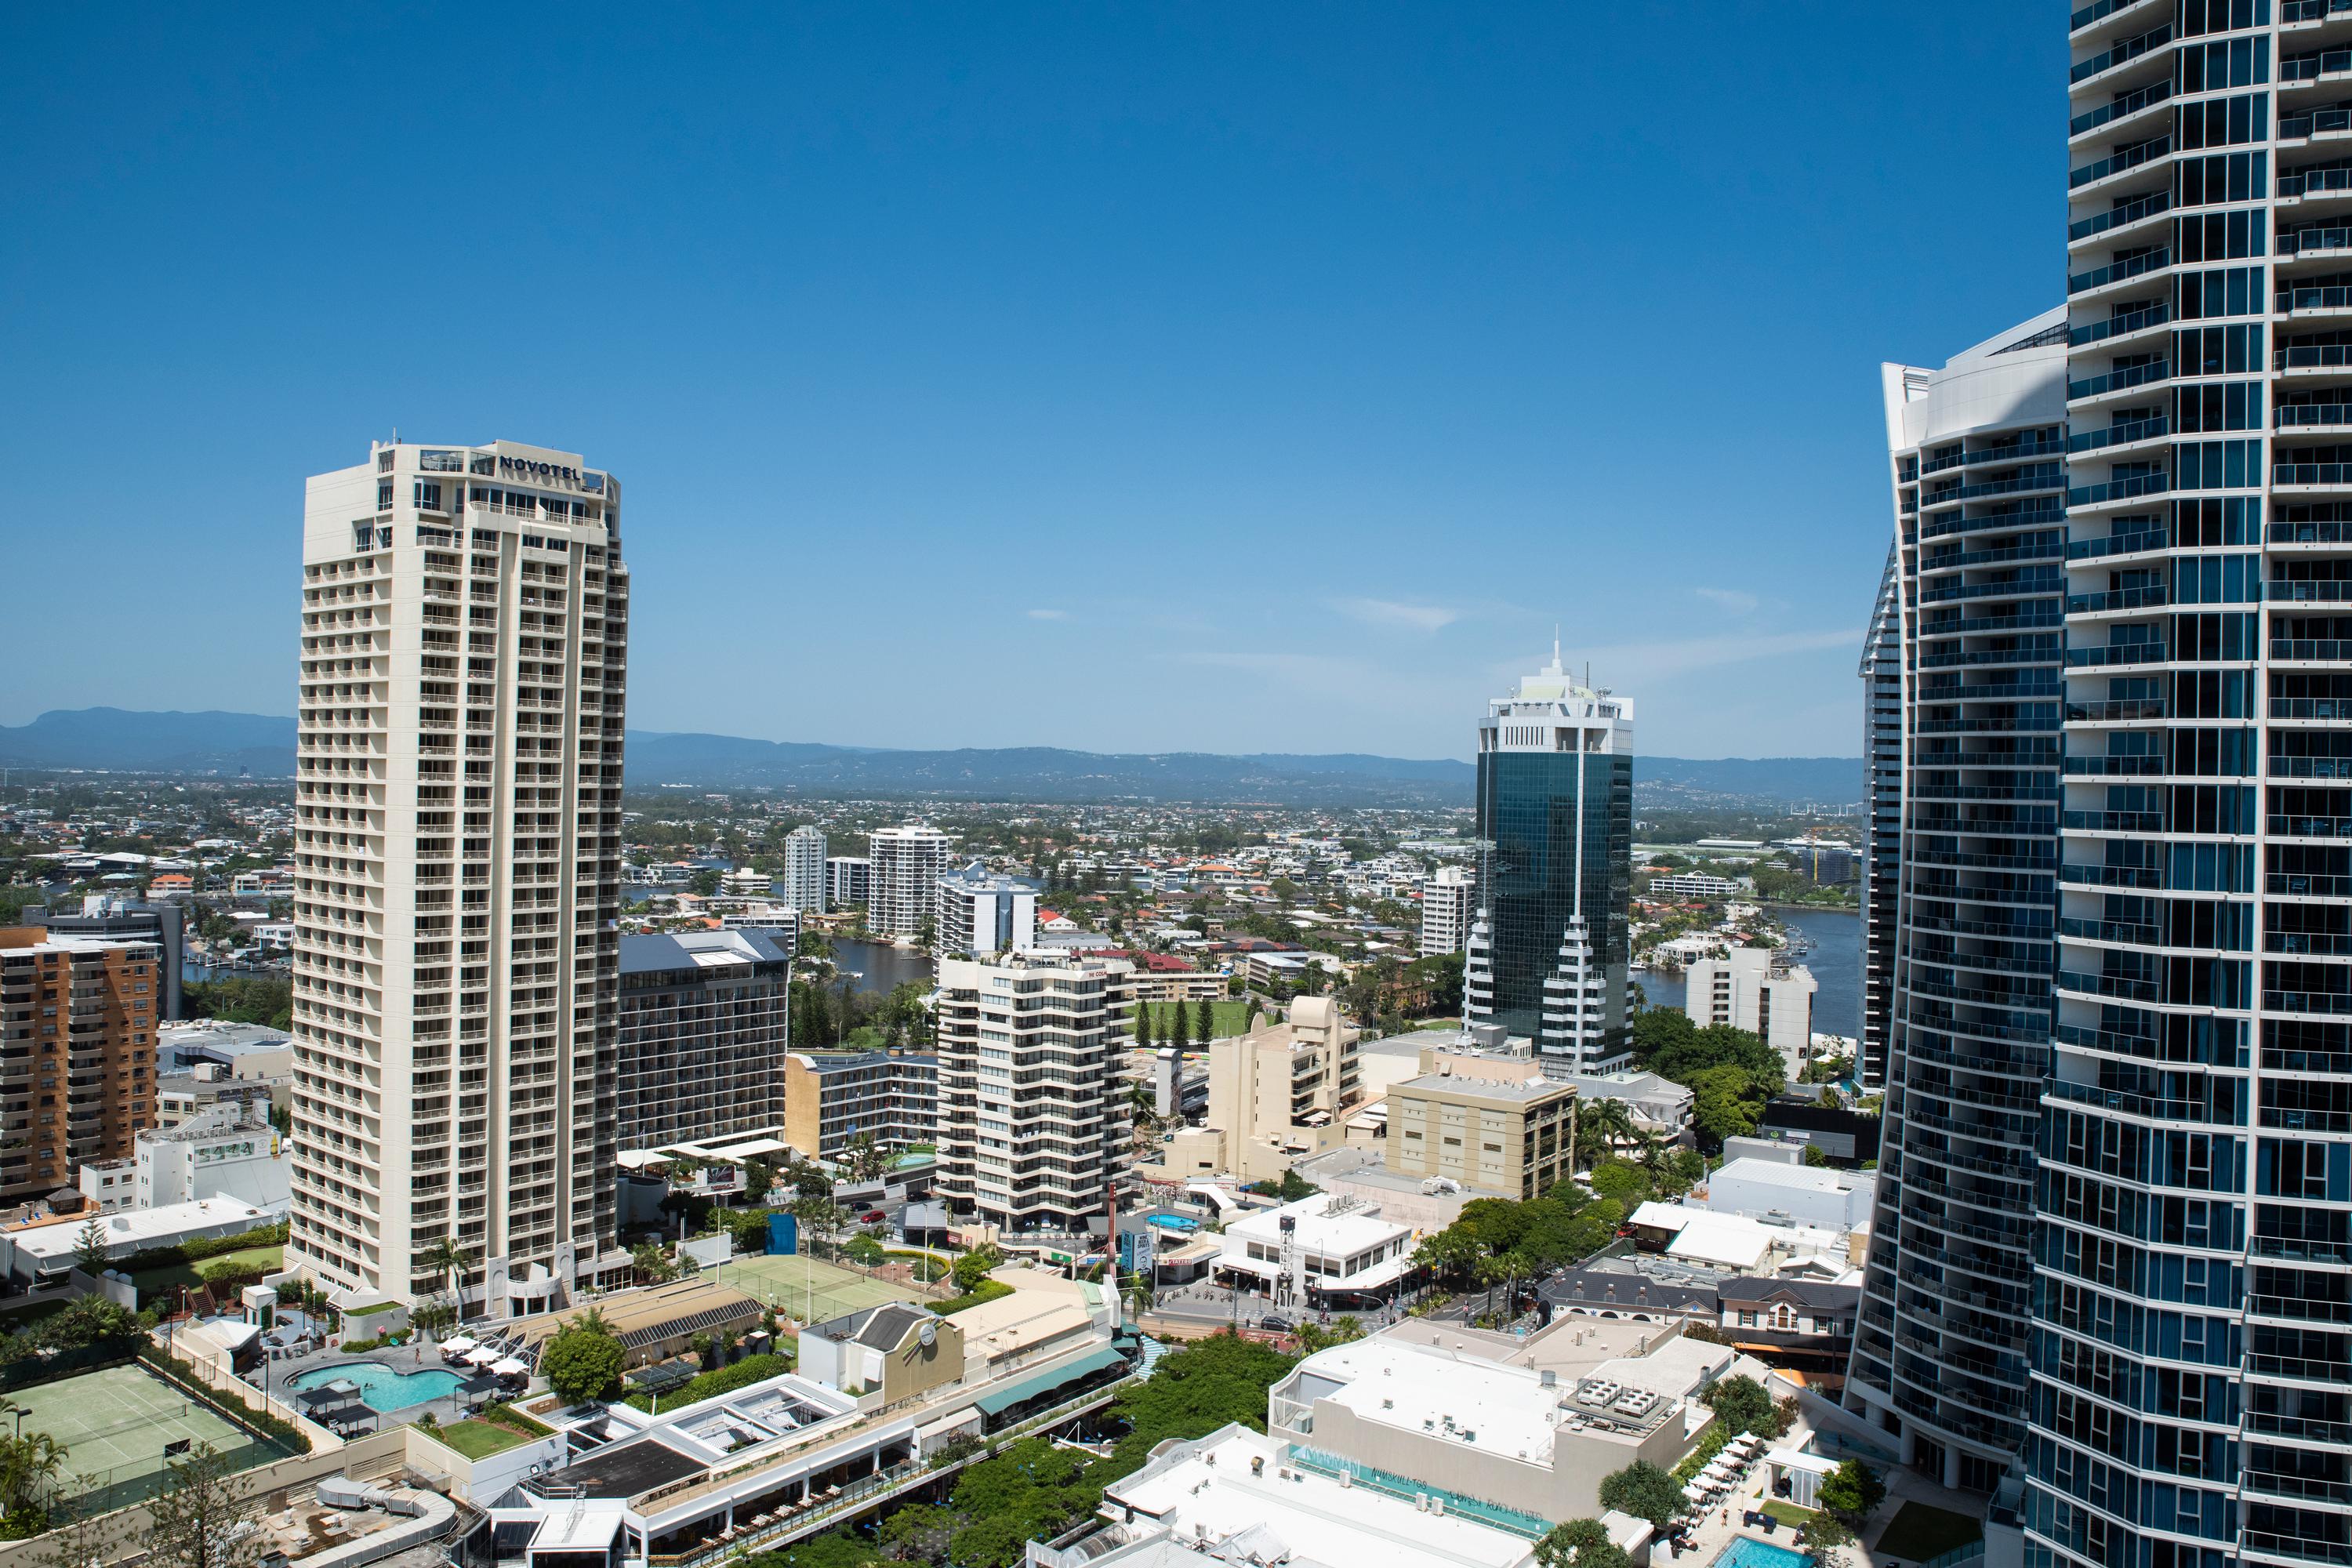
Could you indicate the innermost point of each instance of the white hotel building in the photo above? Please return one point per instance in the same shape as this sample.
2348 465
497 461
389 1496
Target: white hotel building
457 874
804 881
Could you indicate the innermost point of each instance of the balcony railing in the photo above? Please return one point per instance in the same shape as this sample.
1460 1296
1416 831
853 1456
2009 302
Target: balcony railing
2129 104
2130 157
2129 49
2118 380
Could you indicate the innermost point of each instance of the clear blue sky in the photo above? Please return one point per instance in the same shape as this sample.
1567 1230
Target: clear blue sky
1132 378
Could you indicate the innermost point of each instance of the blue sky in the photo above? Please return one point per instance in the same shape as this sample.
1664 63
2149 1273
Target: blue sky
1124 377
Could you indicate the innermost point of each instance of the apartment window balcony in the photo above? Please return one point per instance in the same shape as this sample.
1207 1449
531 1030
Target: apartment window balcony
2318 122
2157 314
2114 491
2120 54
2120 379
2120 435
2317 300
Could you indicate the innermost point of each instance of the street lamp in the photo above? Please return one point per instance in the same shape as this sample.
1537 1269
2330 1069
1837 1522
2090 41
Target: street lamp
19 1411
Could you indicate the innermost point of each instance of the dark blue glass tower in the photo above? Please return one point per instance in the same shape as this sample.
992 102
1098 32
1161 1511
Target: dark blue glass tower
1556 812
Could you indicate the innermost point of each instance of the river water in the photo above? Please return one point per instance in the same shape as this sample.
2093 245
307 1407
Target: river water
879 966
1835 961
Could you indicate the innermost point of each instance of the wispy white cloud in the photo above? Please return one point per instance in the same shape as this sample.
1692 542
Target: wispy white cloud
1627 663
1732 599
1390 613
1049 614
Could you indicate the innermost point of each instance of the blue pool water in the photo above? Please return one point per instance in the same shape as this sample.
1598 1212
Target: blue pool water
1749 1552
1175 1222
382 1388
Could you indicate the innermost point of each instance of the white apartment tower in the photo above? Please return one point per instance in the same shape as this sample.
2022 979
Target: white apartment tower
980 913
1447 906
903 886
457 962
1032 1122
804 868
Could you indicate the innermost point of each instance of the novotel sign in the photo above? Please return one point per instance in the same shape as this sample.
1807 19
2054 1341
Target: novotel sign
525 468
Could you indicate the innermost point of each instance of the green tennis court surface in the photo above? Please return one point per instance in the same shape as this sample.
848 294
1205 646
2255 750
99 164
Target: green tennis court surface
115 1423
809 1290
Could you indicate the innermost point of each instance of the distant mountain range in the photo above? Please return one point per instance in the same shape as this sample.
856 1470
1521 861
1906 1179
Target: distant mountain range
120 741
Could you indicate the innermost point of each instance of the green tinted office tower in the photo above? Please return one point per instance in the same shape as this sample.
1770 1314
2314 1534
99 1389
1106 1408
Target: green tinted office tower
1555 814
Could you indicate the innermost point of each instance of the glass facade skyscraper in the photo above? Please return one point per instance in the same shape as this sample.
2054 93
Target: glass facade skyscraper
2192 1341
1975 452
1549 949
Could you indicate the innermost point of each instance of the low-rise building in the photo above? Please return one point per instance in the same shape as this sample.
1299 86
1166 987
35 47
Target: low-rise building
1694 884
220 1153
834 1098
1242 1497
1508 1132
895 1350
1319 1251
1802 1194
42 1251
1508 1436
1803 1323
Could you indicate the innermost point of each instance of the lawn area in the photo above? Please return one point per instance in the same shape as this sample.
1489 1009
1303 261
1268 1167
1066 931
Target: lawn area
480 1439
1790 1514
1226 1018
153 1283
1919 1532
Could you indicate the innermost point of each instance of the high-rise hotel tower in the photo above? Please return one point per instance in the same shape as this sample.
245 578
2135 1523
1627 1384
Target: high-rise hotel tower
1548 953
2192 1348
1975 452
456 963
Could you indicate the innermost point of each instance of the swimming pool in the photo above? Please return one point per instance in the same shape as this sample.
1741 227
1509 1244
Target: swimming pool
1174 1222
383 1388
1749 1552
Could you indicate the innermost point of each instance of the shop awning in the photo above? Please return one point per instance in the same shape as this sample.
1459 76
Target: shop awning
1030 1388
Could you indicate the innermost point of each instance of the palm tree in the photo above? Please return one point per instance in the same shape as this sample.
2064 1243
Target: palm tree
1600 1126
1488 1272
444 1255
28 1470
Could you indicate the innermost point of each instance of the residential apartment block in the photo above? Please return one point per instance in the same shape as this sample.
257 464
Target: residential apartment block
848 881
1975 458
903 890
705 1029
804 882
458 872
1882 820
831 1098
1755 989
1032 1117
1280 1092
78 1030
980 913
1448 904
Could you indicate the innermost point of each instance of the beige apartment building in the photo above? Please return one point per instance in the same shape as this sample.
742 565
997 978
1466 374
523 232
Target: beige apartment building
457 873
1276 1093
1500 1126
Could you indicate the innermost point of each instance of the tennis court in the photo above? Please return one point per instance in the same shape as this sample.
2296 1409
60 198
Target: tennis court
810 1290
115 1422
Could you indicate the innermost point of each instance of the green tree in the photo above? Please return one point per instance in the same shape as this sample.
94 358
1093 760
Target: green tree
90 1246
1628 1184
971 1271
1144 1026
1726 1101
196 1521
1741 1403
1179 1027
29 1465
443 1256
1852 1492
1645 1491
1581 1543
651 1260
1600 1126
1204 1023
580 1364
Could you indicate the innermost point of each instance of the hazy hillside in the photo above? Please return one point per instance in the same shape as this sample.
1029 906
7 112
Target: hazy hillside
123 741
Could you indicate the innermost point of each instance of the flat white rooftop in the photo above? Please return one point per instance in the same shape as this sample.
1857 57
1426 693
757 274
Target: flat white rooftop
1488 1407
1217 1491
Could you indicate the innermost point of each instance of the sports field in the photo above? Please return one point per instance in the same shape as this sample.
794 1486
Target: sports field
115 1422
788 1284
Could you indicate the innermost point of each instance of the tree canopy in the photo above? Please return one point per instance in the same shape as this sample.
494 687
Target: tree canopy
1645 1491
1581 1543
582 1364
